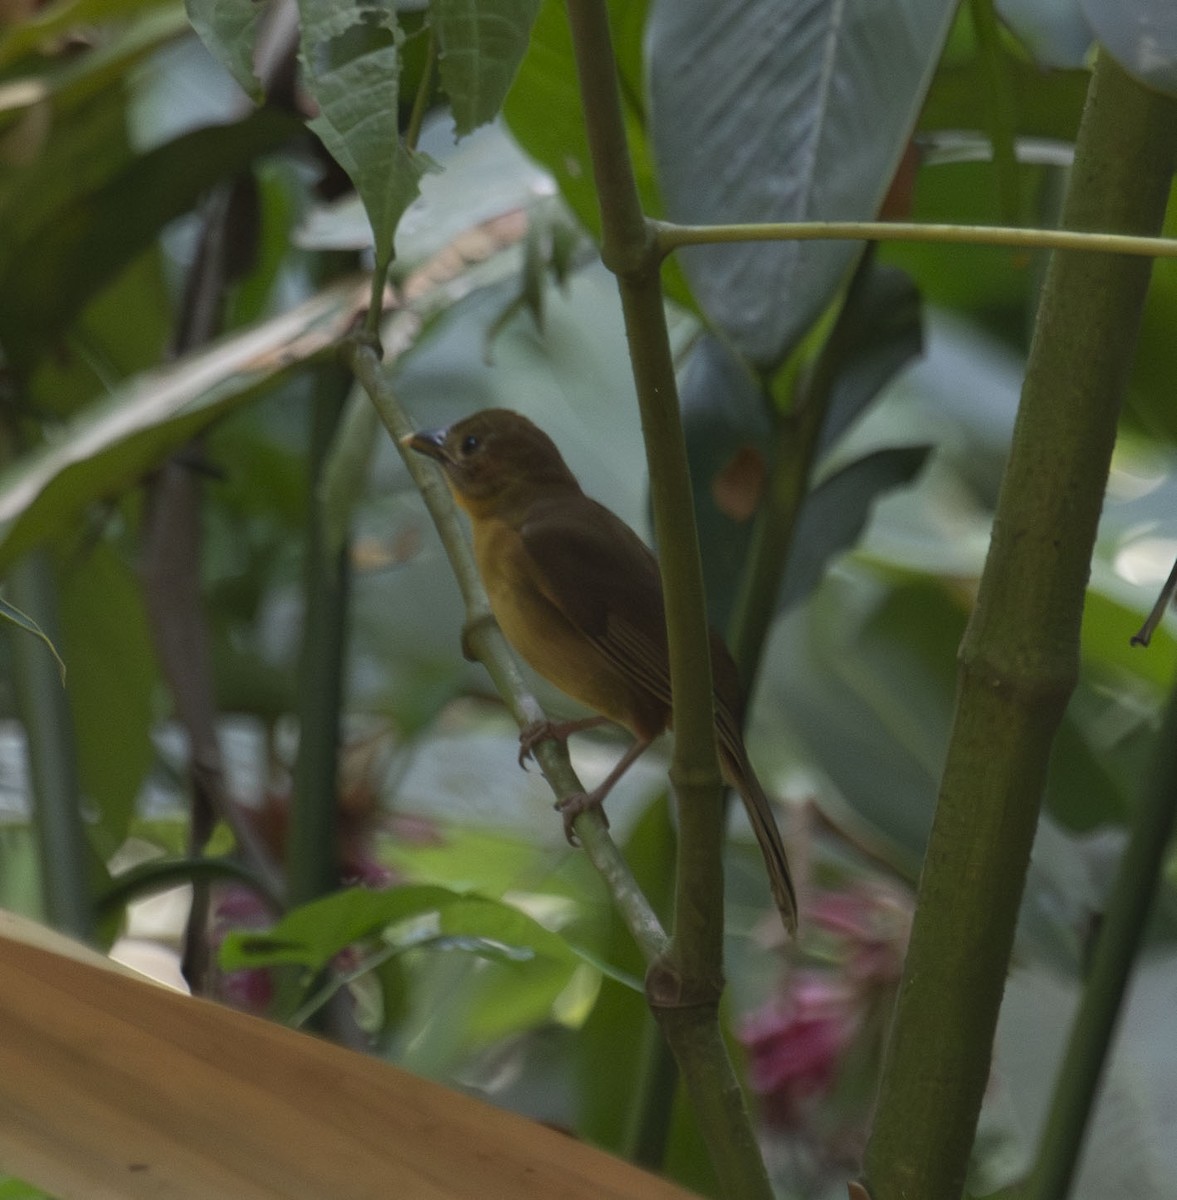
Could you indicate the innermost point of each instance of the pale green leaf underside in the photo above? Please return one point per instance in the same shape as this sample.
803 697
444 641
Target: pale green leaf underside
351 66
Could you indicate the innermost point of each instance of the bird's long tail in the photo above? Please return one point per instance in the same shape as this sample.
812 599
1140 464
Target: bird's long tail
738 772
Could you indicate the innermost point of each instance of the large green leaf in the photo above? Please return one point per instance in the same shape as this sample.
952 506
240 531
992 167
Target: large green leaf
782 110
109 445
350 51
1141 35
61 256
111 684
482 44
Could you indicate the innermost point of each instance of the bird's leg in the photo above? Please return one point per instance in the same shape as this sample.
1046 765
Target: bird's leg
556 731
570 807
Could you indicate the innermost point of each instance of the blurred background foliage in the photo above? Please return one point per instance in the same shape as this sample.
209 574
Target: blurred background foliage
480 948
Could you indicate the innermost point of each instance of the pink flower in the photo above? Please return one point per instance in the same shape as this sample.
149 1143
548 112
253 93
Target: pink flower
827 1020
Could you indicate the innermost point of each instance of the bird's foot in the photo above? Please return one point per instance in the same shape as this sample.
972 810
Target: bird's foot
556 731
571 806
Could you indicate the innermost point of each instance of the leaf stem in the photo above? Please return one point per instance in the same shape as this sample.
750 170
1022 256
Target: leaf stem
670 237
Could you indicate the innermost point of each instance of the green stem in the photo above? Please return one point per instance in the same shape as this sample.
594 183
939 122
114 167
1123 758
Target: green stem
627 250
1000 108
44 711
312 850
159 873
1120 937
1019 658
670 237
798 434
683 987
653 1110
756 602
421 99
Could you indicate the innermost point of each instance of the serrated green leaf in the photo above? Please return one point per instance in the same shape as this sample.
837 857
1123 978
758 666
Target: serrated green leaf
350 53
12 614
228 28
482 44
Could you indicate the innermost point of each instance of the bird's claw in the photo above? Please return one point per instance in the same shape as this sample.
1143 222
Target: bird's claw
536 732
571 806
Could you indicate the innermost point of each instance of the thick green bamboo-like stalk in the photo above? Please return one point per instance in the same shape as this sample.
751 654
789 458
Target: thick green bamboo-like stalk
1019 658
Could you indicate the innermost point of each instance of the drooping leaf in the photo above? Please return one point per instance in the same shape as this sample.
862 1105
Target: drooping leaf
64 255
725 414
764 110
836 511
350 51
1054 31
228 29
482 43
1141 35
878 331
109 445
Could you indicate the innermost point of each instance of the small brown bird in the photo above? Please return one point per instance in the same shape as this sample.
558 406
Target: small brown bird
579 596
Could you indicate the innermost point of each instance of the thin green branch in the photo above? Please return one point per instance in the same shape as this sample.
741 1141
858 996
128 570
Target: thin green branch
1120 936
999 107
670 236
684 987
156 874
757 600
1020 654
484 641
628 251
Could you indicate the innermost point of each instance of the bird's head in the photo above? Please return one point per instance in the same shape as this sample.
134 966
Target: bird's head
495 461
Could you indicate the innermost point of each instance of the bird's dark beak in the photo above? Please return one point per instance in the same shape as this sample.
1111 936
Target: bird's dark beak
430 442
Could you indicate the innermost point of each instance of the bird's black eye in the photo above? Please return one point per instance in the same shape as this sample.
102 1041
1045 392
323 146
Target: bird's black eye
470 443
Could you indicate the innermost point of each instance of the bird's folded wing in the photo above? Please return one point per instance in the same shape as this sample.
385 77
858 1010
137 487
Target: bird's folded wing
604 579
